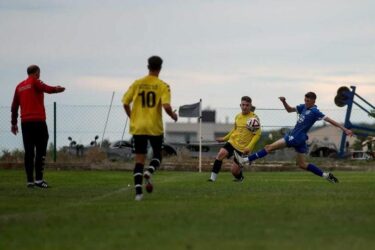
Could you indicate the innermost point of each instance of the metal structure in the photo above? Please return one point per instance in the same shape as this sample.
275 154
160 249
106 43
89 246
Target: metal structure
345 96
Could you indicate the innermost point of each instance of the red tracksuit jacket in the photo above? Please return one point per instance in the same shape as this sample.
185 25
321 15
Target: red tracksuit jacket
29 94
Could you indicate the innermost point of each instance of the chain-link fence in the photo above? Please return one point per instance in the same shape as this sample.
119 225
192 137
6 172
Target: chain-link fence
83 123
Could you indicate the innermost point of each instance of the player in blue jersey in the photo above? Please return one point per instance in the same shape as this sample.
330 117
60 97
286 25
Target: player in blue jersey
308 115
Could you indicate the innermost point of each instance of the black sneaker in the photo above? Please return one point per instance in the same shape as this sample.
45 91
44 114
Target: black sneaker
42 184
332 178
239 179
30 185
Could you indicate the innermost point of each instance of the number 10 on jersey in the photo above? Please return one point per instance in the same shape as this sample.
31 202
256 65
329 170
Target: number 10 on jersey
148 99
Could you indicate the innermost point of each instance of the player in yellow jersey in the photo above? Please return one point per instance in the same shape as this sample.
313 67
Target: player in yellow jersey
143 103
239 139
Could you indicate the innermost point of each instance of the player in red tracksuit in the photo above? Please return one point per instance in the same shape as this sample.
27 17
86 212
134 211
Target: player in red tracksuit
29 95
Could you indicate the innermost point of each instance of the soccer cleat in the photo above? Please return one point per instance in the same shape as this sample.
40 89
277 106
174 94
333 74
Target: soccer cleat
239 179
147 176
138 197
30 184
210 180
332 178
42 184
241 161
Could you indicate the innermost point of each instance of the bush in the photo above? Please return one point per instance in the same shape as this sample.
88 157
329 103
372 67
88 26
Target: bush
15 155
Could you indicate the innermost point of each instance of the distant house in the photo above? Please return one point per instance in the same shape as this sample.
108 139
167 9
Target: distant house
328 134
188 132
185 136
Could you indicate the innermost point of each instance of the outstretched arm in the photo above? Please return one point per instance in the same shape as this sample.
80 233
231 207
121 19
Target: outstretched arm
41 86
334 123
286 105
226 137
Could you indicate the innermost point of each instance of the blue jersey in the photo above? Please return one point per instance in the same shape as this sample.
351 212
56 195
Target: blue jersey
306 119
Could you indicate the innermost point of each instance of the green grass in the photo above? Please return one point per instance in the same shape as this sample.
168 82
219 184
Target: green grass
96 210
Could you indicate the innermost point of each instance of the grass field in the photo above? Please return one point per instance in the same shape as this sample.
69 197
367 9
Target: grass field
96 210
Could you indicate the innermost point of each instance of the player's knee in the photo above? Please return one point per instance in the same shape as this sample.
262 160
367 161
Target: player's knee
221 155
302 165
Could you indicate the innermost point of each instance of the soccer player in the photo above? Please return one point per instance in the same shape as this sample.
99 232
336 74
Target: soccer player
296 138
148 95
29 95
240 139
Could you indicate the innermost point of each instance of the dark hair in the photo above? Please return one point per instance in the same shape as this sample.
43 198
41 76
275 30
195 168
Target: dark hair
32 69
311 95
154 63
246 99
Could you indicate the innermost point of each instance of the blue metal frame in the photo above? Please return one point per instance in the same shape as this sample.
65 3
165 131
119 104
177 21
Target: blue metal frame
347 123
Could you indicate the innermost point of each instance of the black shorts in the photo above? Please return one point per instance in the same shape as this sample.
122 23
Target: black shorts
141 143
228 147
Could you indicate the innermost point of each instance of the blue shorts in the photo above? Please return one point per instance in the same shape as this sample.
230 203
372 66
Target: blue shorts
297 142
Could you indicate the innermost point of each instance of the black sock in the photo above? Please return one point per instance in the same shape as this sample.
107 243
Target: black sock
154 164
217 166
138 177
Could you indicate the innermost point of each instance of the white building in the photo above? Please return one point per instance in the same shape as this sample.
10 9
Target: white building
328 133
178 132
189 132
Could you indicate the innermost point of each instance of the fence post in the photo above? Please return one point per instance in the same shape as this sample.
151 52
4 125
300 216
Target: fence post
54 132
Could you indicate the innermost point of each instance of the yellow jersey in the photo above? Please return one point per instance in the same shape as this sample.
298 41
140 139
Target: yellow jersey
240 137
147 96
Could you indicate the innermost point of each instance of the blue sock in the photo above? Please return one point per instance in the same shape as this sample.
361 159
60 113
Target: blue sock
314 169
257 155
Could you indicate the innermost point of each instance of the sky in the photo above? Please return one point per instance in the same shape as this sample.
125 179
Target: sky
213 50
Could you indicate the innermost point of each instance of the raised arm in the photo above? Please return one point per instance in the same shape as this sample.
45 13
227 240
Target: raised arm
286 105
